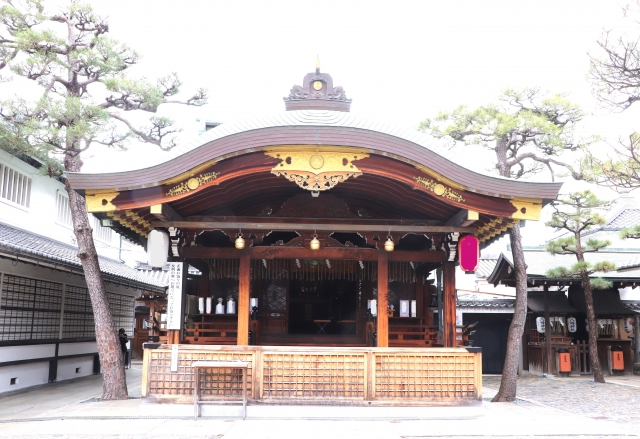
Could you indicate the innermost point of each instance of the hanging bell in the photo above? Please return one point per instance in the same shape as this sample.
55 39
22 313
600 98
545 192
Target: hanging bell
389 245
239 242
314 244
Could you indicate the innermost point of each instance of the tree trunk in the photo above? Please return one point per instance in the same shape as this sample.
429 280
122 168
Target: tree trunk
598 377
111 358
507 391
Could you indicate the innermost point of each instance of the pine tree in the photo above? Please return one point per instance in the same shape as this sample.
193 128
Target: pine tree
577 213
527 130
84 96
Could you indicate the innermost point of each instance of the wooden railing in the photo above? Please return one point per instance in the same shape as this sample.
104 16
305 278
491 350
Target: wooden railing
225 333
353 376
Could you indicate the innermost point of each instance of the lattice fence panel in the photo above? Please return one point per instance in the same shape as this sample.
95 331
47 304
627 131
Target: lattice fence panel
214 383
424 376
313 376
122 311
78 314
29 309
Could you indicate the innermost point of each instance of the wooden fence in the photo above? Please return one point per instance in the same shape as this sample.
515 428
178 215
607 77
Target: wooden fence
321 375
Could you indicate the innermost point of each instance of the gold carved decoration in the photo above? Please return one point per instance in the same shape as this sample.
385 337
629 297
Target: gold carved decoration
316 169
100 201
526 210
441 178
440 189
192 184
189 173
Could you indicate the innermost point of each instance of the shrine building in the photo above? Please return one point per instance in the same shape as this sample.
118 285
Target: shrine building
327 246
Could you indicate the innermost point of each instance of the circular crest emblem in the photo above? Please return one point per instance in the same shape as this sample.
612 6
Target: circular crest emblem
438 189
193 183
316 161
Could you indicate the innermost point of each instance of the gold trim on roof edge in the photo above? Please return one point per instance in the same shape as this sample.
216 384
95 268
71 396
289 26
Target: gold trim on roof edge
190 173
440 189
100 201
526 210
441 178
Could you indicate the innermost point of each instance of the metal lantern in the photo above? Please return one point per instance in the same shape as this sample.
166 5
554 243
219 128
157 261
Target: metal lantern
314 244
389 245
239 242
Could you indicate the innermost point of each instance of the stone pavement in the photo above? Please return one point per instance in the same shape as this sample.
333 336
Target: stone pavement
553 408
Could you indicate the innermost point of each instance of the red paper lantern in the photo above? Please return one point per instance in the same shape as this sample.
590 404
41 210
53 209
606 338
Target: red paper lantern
469 252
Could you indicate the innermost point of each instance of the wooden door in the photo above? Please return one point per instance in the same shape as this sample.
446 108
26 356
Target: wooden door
275 312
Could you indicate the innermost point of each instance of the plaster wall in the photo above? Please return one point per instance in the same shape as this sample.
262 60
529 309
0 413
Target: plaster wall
41 215
74 368
27 375
27 352
88 347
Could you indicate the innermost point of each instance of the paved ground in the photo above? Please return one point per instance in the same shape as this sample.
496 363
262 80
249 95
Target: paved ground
573 408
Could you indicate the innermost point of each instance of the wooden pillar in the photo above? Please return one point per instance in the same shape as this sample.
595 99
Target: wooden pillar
547 331
383 299
244 279
636 341
449 304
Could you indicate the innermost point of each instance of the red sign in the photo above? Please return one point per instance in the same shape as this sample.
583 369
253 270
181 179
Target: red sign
469 248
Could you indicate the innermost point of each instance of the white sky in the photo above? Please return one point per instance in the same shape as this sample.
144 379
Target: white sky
400 61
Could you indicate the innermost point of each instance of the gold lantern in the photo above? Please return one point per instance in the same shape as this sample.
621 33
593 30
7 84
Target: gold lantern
389 245
314 244
239 241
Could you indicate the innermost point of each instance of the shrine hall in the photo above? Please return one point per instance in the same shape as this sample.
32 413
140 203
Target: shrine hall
327 247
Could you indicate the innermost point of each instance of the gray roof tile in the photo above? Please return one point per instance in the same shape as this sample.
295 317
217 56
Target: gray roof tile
16 240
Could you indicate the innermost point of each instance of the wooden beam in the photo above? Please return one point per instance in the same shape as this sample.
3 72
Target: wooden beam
383 299
464 218
164 212
547 332
449 304
244 279
359 254
382 228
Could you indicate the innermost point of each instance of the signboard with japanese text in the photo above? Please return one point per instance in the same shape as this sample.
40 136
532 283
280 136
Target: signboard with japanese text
174 295
572 324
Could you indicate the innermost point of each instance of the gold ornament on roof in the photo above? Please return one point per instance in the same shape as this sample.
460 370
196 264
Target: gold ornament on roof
318 170
192 184
440 189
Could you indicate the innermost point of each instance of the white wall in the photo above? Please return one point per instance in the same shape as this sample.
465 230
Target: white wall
30 374
41 216
67 368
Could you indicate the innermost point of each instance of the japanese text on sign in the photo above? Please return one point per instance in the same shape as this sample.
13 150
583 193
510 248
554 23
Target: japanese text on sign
174 296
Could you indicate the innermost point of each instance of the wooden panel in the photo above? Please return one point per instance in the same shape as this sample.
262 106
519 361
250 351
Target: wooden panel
415 376
314 375
354 376
383 299
243 298
449 304
215 382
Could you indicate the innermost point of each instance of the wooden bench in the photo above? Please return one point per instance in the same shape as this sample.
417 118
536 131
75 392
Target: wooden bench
197 368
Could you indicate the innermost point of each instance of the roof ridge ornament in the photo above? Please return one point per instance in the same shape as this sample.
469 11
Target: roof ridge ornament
317 93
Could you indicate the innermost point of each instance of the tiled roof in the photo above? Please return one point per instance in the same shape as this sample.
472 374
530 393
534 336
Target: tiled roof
485 267
633 305
488 304
630 264
162 275
23 243
624 219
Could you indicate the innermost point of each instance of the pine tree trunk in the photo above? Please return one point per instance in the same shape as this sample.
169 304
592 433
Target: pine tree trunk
508 383
598 377
111 358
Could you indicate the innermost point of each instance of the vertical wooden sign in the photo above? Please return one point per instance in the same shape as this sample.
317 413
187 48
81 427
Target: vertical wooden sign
174 296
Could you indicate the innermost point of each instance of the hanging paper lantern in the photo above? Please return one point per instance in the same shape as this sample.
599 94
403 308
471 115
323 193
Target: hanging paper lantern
469 250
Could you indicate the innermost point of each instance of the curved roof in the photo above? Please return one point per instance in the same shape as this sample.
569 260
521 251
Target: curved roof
320 128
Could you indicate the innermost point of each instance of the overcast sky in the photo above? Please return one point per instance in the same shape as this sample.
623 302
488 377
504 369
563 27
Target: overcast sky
399 61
